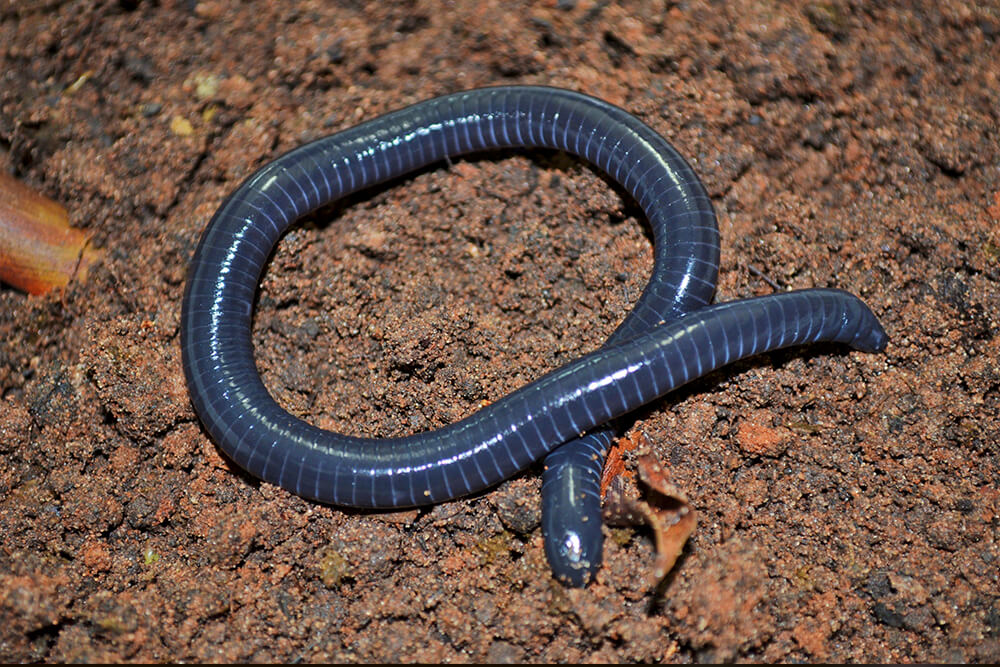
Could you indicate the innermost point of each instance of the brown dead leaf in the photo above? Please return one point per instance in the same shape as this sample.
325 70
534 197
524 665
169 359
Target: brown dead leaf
663 507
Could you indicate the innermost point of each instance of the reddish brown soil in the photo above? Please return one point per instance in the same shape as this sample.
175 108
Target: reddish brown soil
849 503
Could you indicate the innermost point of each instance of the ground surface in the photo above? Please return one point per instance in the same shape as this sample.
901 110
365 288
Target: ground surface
849 503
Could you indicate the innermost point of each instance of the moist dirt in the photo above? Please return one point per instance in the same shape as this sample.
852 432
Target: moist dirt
848 503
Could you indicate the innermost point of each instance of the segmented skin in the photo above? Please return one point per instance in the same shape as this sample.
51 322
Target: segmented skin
643 360
571 480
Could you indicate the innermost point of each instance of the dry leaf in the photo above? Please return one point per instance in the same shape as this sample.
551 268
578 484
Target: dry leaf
664 508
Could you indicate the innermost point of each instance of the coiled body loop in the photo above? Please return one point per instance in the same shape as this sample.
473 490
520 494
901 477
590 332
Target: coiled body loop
643 359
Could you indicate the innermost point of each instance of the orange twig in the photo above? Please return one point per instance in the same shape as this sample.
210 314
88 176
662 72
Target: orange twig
39 251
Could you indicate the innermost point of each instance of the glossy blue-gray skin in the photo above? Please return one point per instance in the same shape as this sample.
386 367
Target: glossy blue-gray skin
509 435
571 479
571 507
685 233
684 278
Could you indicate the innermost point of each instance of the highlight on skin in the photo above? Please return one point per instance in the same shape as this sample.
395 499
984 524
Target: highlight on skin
641 361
